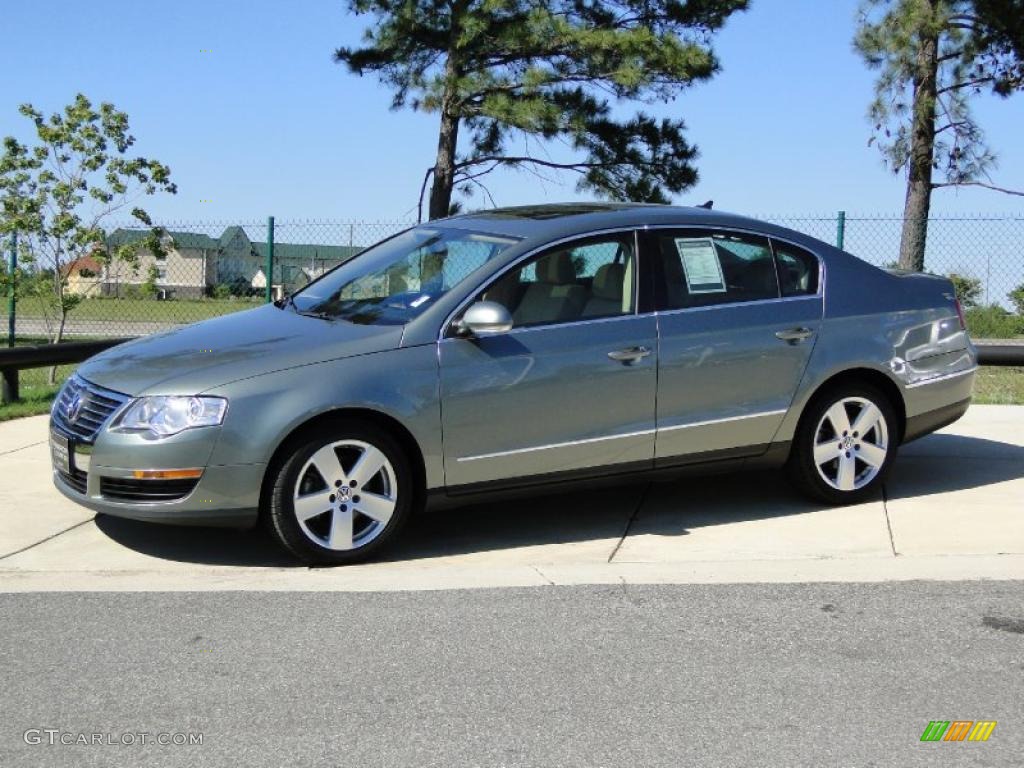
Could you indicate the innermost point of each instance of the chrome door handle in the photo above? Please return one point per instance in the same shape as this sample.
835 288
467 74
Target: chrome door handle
794 335
629 355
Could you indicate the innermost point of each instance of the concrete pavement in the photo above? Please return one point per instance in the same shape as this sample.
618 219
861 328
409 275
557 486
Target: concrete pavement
952 509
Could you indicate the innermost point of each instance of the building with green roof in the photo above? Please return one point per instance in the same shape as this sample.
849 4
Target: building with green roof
195 263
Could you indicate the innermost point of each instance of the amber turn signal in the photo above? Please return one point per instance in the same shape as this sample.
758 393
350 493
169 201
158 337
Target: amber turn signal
167 474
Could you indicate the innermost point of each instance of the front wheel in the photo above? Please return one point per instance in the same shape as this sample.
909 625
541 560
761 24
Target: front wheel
341 495
845 445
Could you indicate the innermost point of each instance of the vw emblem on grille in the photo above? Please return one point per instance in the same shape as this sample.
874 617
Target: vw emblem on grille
74 407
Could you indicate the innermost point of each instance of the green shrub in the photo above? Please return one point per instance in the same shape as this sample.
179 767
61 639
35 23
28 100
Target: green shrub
220 291
968 289
993 322
240 288
148 289
1016 297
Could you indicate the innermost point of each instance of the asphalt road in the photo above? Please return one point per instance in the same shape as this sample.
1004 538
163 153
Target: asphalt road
785 675
36 326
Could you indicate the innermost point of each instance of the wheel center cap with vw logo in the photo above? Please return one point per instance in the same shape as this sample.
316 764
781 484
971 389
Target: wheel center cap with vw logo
74 407
344 493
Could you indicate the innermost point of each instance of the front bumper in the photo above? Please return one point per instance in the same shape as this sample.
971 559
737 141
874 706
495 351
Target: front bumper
225 495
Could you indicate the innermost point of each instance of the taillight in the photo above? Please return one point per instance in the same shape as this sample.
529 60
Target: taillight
960 314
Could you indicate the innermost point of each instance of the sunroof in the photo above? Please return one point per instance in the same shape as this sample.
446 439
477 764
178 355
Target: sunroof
553 211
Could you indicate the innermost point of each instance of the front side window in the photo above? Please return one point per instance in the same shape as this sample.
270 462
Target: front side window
395 281
581 281
708 267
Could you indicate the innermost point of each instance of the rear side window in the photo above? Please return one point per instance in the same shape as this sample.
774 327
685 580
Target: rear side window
707 267
798 270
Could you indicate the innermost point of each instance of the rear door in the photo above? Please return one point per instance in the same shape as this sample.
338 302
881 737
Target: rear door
737 322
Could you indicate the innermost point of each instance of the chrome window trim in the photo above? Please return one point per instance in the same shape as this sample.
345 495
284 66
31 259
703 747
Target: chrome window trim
567 324
942 378
735 304
636 230
540 249
640 433
571 323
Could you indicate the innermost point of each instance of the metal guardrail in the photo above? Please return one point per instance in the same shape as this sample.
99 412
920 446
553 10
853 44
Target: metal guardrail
40 355
14 359
1000 354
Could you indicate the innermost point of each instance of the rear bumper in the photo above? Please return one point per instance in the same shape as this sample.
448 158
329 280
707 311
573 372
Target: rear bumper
930 421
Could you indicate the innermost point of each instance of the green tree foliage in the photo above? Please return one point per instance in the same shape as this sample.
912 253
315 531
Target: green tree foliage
933 56
57 192
149 286
1016 297
968 289
511 72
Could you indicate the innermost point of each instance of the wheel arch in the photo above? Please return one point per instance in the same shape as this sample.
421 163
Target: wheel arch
339 416
872 377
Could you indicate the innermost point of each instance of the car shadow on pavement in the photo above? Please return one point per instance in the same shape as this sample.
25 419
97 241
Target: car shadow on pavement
599 516
946 463
187 544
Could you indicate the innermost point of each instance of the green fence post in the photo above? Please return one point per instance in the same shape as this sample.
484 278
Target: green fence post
9 388
840 229
269 267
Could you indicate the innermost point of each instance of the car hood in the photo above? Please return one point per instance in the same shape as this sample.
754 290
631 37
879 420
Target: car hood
198 357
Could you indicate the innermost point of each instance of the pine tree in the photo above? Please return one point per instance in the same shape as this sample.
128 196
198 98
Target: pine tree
500 71
933 57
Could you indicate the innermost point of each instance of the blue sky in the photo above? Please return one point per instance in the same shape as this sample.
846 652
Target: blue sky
266 123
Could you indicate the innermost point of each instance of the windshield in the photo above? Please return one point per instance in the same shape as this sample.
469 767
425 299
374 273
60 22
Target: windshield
393 282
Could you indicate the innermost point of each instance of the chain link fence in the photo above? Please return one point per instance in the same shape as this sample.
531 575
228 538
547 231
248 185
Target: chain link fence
988 249
213 268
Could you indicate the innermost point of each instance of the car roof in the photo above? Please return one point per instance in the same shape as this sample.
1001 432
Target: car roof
556 220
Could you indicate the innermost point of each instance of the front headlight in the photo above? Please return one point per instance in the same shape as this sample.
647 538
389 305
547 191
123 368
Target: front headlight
169 415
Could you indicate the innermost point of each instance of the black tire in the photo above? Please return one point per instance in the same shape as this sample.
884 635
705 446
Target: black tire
280 515
802 468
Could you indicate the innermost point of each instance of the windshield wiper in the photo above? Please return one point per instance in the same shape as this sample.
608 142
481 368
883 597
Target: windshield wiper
318 315
287 300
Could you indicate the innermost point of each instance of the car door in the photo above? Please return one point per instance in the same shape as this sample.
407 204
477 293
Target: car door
738 317
570 388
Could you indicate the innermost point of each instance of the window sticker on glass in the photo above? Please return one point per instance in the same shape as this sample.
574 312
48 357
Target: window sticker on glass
701 265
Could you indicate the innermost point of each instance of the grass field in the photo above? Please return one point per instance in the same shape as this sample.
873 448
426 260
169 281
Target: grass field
999 386
35 399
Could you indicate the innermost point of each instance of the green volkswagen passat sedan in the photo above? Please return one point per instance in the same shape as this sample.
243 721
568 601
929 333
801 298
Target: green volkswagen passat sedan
511 349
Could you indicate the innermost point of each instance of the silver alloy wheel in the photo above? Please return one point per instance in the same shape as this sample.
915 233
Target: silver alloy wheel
851 443
345 495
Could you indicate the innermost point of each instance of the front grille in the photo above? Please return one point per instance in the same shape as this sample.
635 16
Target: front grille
128 489
76 479
96 406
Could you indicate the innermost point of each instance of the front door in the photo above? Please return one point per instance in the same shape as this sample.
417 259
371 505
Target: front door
570 389
738 318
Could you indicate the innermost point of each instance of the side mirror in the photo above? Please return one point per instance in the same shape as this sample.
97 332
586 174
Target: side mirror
484 318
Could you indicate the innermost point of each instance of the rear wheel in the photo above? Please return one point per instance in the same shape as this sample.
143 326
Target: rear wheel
341 496
845 444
